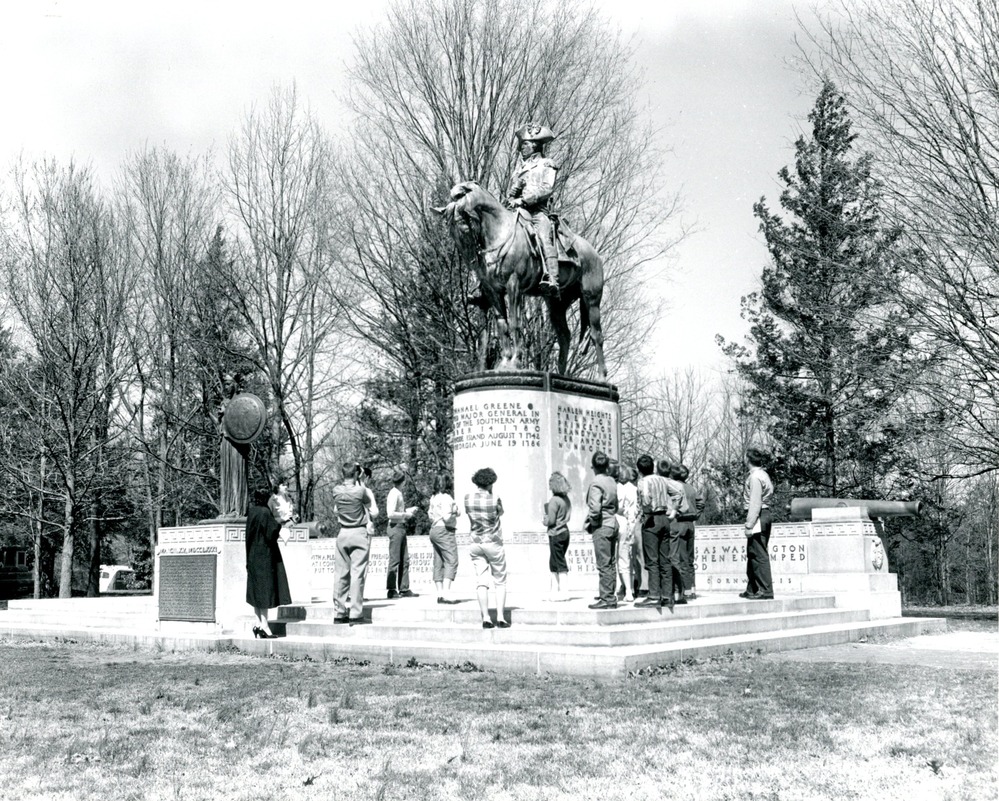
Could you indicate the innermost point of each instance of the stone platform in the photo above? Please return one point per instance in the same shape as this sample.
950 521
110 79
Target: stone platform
545 637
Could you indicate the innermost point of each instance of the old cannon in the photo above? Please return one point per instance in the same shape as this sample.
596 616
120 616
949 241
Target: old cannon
801 508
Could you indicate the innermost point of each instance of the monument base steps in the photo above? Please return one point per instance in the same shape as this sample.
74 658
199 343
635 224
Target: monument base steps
565 638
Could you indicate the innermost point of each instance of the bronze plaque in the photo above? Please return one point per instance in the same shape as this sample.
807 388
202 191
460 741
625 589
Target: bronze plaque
187 587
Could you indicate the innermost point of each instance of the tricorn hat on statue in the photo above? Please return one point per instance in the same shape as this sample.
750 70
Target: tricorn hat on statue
532 132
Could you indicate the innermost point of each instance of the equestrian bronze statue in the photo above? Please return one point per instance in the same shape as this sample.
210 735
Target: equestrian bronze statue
521 252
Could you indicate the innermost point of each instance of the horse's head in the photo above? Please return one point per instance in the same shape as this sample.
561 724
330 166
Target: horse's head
465 189
462 212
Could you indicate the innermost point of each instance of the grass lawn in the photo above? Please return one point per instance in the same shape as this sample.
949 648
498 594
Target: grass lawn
83 721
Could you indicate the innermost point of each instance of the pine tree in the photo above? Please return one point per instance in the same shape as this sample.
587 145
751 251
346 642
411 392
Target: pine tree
828 354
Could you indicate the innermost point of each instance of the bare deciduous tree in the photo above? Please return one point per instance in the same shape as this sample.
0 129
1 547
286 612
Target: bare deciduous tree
438 90
922 77
69 286
286 274
675 417
169 207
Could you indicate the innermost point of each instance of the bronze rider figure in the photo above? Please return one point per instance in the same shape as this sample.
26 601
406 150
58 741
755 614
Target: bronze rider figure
531 186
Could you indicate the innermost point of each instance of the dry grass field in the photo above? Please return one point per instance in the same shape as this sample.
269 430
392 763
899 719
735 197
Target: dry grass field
81 721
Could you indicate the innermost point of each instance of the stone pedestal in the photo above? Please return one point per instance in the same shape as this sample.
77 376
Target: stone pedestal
524 425
837 553
201 575
848 560
526 557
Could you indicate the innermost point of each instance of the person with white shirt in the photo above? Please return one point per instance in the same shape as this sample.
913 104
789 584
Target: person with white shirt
397 581
443 514
758 494
355 508
628 513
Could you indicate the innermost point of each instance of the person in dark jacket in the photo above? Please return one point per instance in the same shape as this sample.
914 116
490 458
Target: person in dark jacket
266 580
682 527
601 522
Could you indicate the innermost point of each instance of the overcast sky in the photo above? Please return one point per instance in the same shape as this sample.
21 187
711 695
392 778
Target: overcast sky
96 80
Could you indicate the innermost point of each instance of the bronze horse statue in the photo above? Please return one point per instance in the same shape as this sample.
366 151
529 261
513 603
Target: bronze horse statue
498 242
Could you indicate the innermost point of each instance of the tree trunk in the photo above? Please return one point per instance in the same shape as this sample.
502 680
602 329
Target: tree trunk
94 574
970 590
990 571
991 530
66 569
943 588
36 570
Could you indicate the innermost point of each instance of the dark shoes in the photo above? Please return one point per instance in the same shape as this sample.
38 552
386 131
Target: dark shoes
392 594
359 621
604 605
259 633
681 601
502 624
745 594
758 596
691 596
341 619
408 594
487 624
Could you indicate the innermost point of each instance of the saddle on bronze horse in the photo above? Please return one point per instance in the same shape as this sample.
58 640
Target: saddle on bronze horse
565 241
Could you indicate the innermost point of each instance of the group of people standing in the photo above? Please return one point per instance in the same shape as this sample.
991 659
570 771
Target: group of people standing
355 507
641 520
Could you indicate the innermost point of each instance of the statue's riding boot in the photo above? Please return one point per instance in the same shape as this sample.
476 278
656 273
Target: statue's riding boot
548 285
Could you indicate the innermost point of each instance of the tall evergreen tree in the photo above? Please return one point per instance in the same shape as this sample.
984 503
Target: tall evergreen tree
828 354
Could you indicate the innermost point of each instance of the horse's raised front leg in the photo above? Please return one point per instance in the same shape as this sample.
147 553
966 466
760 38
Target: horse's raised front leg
556 313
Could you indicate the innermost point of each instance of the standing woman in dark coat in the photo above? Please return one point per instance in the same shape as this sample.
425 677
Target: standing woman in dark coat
266 580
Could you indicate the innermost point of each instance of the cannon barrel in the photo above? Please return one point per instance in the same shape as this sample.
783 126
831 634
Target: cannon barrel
801 508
